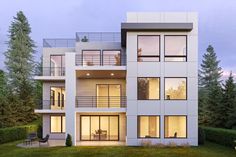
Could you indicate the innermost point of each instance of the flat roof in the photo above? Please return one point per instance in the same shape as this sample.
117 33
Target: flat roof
144 27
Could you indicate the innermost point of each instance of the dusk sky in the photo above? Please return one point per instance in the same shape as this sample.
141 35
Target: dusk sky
61 19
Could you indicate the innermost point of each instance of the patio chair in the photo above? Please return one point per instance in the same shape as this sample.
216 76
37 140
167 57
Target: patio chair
44 140
32 136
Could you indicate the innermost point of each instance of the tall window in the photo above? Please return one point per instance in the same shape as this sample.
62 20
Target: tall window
57 97
91 57
148 88
148 126
175 126
57 65
111 57
175 88
176 48
148 48
57 124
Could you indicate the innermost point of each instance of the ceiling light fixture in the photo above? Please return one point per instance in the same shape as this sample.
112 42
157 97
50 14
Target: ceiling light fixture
112 74
88 74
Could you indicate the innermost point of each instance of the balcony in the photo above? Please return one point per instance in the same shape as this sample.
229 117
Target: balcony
52 71
50 105
98 37
100 102
49 43
100 58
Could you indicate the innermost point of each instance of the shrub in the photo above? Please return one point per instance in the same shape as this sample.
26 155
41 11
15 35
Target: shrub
220 136
68 140
16 133
201 136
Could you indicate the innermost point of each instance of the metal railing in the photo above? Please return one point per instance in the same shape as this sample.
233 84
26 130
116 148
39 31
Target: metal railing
59 43
98 36
103 59
52 71
101 101
51 104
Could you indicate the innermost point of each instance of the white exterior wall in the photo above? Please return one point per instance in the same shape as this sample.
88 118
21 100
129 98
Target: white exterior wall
162 69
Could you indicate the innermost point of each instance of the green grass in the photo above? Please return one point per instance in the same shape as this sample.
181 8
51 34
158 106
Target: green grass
208 150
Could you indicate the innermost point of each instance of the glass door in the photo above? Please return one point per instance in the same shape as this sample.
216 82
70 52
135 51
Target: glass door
99 128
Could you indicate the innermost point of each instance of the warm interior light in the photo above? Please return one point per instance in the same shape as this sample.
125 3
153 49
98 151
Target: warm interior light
112 74
88 74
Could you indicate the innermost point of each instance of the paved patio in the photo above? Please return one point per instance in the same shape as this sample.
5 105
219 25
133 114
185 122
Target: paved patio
56 143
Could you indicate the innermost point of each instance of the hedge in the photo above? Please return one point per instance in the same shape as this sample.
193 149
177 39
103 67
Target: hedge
16 133
220 136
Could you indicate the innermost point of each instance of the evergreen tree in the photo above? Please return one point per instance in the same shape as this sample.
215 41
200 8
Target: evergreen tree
3 93
20 65
209 87
229 101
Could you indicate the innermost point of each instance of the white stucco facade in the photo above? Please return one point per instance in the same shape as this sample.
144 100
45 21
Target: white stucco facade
82 82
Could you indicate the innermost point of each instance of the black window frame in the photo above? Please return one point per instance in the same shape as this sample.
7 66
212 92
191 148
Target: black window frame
176 56
60 132
159 88
100 57
62 68
186 126
138 126
149 56
175 78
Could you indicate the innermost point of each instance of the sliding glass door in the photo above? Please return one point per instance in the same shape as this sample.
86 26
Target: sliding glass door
108 95
99 128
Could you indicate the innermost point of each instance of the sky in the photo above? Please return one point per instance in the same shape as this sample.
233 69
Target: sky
61 19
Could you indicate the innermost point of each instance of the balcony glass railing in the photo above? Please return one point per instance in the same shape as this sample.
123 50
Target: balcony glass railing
101 101
51 71
51 104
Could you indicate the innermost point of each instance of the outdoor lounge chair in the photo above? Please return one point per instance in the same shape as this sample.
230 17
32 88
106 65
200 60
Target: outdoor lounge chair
44 140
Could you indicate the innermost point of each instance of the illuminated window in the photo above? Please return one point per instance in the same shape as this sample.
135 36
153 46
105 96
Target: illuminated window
148 126
175 88
148 48
148 88
176 48
57 124
175 126
57 65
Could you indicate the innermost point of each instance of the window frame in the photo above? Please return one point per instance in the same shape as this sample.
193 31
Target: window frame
102 55
62 68
186 126
176 56
138 127
149 56
54 101
175 78
82 56
50 122
159 88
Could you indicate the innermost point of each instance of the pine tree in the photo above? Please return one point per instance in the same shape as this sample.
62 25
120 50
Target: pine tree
3 92
20 65
210 92
229 101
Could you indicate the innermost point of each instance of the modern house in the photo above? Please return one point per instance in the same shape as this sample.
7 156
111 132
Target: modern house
130 87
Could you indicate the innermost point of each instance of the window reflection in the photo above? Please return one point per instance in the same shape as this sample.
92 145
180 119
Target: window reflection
175 88
148 88
148 48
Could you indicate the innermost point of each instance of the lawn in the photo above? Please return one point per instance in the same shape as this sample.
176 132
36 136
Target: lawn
208 150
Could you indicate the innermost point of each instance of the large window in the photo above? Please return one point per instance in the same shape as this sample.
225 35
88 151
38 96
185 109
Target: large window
91 57
148 48
176 48
148 126
57 124
111 57
148 88
99 128
175 88
57 98
57 65
175 126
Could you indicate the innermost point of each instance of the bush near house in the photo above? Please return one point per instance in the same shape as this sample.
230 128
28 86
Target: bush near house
220 136
16 133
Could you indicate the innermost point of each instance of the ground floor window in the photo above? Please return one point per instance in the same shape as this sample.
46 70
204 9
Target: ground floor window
99 128
149 126
57 124
175 126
